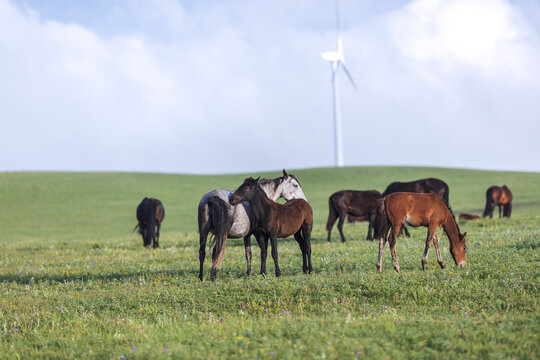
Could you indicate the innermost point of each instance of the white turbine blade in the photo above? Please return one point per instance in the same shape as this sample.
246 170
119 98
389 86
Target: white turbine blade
348 74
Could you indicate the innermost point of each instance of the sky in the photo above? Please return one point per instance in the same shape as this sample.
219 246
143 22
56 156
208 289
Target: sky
229 86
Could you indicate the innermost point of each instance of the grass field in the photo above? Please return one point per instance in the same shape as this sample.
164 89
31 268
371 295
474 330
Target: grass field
75 281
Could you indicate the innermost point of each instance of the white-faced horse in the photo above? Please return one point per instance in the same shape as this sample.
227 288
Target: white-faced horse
224 220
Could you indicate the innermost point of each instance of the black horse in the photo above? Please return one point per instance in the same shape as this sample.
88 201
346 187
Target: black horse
429 185
150 214
351 202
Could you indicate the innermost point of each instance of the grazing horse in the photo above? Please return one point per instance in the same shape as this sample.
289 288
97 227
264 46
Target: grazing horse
500 196
150 214
417 209
351 202
429 185
468 217
274 220
217 216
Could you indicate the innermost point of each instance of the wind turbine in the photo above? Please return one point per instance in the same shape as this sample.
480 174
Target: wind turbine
337 60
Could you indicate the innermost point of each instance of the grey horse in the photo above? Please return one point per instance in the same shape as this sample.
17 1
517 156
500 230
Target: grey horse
224 220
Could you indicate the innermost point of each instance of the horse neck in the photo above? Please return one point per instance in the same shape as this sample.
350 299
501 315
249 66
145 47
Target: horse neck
272 192
451 228
260 203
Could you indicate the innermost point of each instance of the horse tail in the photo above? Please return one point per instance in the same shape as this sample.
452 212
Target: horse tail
219 216
382 222
332 213
489 202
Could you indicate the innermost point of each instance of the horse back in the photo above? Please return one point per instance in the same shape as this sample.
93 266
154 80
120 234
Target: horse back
416 209
292 215
356 202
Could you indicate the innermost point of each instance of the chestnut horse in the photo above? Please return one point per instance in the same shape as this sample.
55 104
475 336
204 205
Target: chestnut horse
274 220
351 202
468 217
500 196
428 185
418 209
150 214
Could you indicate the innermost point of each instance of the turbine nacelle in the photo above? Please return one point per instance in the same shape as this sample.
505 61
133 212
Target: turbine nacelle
332 56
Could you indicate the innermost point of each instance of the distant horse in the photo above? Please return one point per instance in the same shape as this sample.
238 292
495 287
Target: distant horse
217 216
468 217
351 218
274 220
500 196
429 185
417 209
150 214
351 202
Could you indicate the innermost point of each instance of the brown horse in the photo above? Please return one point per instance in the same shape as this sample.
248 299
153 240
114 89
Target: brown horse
418 209
500 196
274 220
468 217
150 214
351 202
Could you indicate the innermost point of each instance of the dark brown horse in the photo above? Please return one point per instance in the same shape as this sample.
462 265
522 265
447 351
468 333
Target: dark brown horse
150 214
274 220
417 209
500 196
351 202
468 217
429 185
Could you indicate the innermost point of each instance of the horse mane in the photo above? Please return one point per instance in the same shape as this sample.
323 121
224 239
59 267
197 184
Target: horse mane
275 182
451 212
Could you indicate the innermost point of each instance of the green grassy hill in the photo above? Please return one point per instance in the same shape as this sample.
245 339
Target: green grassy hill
76 206
75 281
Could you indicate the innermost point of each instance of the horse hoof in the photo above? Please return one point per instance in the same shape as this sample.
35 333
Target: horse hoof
278 273
442 265
378 268
397 269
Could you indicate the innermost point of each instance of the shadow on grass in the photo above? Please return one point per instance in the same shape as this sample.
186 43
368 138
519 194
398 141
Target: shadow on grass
25 280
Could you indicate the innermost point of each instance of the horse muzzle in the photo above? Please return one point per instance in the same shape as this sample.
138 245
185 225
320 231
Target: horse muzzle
461 264
233 201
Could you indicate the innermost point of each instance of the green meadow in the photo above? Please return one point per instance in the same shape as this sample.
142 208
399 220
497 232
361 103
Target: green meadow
76 282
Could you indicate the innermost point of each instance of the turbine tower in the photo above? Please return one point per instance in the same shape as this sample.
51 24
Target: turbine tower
337 61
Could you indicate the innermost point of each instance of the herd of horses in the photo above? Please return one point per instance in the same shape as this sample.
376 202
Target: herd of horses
252 209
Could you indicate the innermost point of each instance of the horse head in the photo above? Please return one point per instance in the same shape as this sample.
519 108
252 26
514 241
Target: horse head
245 191
458 250
290 187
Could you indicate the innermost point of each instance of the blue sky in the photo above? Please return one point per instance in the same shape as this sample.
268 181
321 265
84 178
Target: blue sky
239 86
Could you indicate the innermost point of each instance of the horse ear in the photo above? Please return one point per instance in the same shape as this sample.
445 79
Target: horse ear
285 175
463 236
257 179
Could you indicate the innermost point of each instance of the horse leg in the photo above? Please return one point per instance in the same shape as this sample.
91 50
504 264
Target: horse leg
407 234
300 241
382 242
341 220
392 243
262 240
371 220
156 239
247 247
330 224
500 211
429 241
273 239
306 231
202 248
438 250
